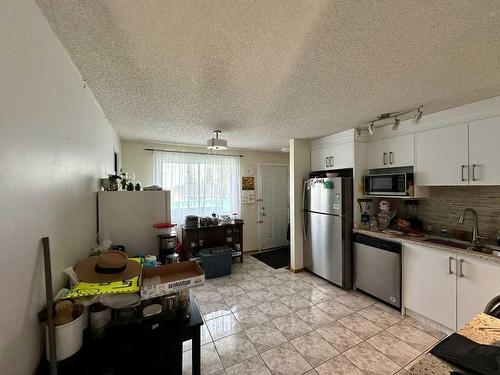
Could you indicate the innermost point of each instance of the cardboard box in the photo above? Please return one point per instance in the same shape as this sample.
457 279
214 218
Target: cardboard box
170 278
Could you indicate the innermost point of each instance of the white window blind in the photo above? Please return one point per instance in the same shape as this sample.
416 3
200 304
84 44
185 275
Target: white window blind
199 184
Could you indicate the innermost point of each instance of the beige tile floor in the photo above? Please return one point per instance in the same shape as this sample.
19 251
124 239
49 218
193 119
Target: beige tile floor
262 320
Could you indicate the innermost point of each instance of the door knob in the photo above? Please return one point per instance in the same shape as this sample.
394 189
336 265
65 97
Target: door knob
263 214
263 208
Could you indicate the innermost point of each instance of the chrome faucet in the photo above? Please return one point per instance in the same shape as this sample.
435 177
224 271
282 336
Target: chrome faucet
475 244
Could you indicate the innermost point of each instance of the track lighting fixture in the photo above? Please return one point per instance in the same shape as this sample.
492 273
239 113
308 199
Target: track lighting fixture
384 119
395 126
371 128
418 116
357 133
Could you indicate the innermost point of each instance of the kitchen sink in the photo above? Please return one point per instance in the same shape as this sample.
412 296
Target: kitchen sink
441 241
463 245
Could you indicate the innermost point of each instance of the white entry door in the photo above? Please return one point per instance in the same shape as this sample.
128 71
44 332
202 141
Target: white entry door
273 205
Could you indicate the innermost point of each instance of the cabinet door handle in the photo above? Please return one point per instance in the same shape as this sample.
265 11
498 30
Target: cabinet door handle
449 265
474 172
384 158
391 157
463 178
460 268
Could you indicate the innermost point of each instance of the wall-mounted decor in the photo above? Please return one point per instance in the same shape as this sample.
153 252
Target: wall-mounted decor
248 183
248 190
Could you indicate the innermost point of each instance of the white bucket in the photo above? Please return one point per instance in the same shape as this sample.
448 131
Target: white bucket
69 338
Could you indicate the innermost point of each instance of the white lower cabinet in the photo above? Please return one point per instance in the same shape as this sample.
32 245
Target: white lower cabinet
429 288
477 283
447 287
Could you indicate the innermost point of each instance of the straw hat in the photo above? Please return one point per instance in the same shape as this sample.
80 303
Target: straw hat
113 265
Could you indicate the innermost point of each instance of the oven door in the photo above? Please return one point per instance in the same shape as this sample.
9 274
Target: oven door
393 184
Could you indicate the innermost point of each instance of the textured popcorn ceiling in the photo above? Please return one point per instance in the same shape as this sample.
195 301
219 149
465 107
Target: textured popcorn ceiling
267 71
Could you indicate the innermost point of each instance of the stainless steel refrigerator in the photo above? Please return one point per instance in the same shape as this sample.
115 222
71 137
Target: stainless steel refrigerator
327 229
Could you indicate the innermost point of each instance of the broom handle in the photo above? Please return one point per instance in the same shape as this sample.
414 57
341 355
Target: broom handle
50 311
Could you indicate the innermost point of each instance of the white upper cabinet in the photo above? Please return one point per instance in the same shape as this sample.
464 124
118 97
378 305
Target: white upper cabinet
333 152
484 151
376 154
342 156
478 281
389 153
319 158
442 156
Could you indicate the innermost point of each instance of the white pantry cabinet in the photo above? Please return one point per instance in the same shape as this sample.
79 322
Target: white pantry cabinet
442 157
484 151
390 153
478 282
429 283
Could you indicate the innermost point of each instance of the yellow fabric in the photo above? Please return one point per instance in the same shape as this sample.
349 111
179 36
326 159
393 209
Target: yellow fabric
84 289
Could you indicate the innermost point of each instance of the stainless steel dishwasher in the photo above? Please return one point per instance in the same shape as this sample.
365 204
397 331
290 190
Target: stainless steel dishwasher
377 268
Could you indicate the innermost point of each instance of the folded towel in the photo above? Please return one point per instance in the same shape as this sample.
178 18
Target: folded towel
469 355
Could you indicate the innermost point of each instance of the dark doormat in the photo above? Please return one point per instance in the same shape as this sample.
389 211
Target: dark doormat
276 258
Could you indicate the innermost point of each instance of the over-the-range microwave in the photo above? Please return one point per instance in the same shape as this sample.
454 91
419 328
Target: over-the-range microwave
397 184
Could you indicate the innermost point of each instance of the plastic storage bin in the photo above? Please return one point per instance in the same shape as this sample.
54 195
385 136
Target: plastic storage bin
216 261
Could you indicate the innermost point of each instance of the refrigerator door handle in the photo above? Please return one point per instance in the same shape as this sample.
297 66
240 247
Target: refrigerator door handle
304 187
304 225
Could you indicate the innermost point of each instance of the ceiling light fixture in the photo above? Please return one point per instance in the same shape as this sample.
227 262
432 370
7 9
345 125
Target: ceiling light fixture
371 128
216 143
384 119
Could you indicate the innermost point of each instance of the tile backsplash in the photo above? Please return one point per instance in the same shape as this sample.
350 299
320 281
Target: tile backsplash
444 205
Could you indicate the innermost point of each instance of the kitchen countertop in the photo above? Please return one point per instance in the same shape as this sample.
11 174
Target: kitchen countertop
474 330
421 241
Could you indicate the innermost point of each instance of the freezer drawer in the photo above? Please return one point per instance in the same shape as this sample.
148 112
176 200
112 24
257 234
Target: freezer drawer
377 271
326 253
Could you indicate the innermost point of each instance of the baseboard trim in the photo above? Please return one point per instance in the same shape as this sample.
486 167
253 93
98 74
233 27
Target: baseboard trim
297 270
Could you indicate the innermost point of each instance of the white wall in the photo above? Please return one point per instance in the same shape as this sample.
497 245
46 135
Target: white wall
300 165
134 158
54 144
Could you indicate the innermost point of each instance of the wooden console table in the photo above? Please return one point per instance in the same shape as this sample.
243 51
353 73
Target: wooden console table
197 238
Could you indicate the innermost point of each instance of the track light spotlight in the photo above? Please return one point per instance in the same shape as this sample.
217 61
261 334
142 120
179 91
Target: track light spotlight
357 133
395 126
371 128
418 116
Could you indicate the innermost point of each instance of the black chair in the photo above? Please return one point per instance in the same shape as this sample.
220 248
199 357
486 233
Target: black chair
493 307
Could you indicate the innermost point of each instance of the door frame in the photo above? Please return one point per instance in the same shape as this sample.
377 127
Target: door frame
259 197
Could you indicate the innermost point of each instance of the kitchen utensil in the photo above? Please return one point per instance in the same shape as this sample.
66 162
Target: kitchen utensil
391 232
64 312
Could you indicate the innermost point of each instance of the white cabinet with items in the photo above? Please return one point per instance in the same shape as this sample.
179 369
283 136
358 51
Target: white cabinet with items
464 154
429 283
447 287
478 282
329 157
390 153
